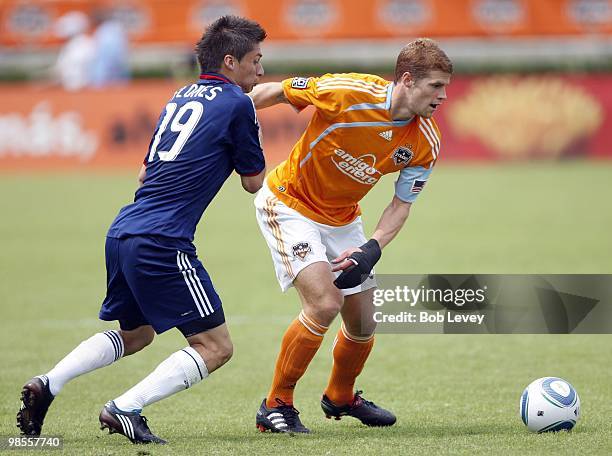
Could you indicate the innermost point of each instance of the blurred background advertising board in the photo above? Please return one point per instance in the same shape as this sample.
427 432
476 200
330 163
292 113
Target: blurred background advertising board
500 117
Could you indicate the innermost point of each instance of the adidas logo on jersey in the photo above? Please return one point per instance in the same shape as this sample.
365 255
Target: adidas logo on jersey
388 135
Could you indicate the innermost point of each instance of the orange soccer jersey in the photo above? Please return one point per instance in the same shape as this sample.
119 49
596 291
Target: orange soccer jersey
350 142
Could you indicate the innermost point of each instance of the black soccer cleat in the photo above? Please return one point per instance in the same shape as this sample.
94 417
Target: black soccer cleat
35 401
365 411
283 418
130 424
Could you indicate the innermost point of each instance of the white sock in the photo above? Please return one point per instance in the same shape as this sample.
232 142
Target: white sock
98 351
178 372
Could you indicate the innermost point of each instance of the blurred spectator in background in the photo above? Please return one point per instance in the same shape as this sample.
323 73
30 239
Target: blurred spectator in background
110 65
73 66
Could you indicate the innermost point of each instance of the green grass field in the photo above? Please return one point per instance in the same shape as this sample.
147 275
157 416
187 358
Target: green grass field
453 394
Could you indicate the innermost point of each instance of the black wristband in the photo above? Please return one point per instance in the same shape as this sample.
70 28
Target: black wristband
363 261
372 245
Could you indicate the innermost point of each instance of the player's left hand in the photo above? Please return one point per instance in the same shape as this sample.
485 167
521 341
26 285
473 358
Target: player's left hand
356 264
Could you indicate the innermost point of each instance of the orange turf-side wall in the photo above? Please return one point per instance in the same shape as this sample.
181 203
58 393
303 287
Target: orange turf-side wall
485 118
48 128
30 22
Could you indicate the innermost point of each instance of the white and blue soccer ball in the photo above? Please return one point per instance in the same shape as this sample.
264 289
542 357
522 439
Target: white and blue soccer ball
550 404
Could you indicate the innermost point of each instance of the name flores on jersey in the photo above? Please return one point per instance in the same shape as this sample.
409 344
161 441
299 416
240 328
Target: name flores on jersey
361 169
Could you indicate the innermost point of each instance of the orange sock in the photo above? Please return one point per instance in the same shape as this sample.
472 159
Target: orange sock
350 355
300 343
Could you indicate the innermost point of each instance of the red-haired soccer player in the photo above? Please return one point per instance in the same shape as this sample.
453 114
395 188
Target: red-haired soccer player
363 127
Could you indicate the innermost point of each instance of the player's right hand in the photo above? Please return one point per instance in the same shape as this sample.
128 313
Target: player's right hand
357 265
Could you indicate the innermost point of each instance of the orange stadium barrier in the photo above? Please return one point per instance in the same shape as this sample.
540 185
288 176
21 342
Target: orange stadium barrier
485 118
30 22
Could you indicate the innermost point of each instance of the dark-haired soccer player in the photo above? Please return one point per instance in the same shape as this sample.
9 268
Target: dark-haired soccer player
155 281
363 127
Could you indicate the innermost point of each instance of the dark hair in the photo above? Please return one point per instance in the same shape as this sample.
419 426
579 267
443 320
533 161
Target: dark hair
421 56
231 35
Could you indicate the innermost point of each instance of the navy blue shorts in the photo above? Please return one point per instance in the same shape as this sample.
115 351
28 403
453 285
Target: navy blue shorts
158 281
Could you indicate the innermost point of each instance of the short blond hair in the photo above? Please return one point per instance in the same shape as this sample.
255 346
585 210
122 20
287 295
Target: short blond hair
421 56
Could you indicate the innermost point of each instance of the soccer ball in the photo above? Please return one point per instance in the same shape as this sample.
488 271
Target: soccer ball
550 404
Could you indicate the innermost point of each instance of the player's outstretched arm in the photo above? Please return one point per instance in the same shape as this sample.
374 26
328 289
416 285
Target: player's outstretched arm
267 94
391 221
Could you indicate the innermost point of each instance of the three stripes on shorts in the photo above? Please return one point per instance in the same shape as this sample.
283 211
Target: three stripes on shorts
194 284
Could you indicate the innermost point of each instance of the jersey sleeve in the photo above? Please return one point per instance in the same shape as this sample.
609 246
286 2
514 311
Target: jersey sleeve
410 182
246 152
330 94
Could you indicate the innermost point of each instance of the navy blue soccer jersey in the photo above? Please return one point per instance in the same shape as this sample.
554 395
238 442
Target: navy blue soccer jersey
206 131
